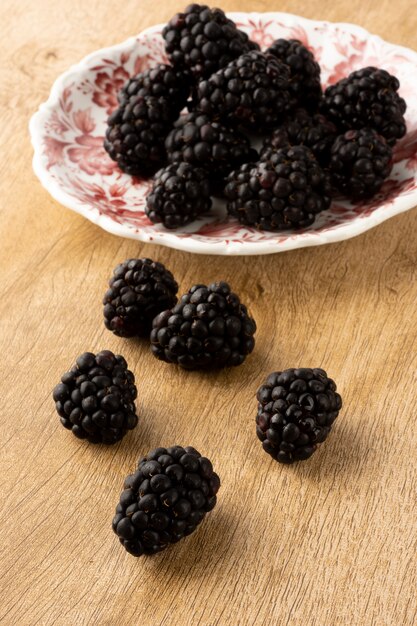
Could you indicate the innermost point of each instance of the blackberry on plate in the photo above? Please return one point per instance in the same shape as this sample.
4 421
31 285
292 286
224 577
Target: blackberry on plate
179 195
367 98
208 328
252 91
165 499
360 162
138 290
135 134
159 81
296 410
301 129
197 140
95 398
305 85
287 191
203 40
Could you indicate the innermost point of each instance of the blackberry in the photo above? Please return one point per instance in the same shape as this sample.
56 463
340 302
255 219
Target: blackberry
252 91
197 140
95 399
367 98
301 129
161 81
360 162
135 134
180 193
305 85
208 328
165 499
138 290
296 410
287 191
204 40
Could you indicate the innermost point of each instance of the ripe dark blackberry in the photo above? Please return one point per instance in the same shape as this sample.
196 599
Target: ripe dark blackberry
165 499
252 91
305 85
367 98
360 162
301 129
138 290
180 193
208 328
204 40
161 81
296 410
95 399
287 191
136 132
197 140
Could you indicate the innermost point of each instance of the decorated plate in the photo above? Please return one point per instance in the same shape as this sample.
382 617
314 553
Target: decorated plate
67 135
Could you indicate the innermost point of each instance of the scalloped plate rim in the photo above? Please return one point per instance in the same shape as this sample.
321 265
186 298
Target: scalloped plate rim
169 238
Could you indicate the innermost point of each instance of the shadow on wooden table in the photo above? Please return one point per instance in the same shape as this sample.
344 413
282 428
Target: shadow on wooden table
204 552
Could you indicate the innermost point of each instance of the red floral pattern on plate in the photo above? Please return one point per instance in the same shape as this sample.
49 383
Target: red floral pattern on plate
70 159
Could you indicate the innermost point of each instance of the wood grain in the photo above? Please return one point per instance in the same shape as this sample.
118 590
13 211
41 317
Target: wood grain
328 542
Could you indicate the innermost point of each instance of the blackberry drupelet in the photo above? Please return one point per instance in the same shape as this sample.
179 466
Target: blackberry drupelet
197 140
252 91
204 40
296 410
287 191
95 399
165 499
161 81
138 290
180 193
136 132
367 98
360 162
301 129
208 328
305 85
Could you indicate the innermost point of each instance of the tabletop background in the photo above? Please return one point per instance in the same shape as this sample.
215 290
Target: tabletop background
326 542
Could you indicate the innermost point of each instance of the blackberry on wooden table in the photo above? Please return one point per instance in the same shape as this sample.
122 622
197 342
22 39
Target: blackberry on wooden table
165 499
138 290
96 398
296 410
208 328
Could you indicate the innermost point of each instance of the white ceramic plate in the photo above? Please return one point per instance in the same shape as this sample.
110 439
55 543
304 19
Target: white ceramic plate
70 161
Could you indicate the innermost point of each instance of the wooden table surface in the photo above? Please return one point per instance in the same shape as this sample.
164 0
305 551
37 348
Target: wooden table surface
327 542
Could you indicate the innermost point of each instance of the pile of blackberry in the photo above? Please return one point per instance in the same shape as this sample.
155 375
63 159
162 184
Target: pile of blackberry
233 90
